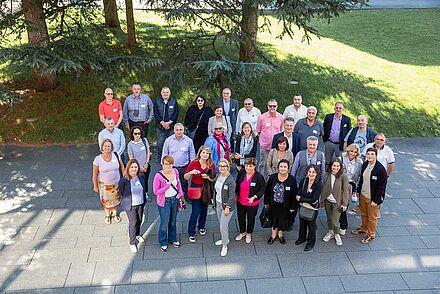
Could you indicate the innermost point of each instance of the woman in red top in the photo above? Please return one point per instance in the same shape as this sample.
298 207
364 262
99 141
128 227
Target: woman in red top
197 171
249 188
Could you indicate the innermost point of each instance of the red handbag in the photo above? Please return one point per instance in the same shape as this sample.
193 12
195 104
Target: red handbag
193 193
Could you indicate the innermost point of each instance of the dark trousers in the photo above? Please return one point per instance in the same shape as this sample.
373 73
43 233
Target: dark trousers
162 135
307 231
246 213
140 124
134 222
146 176
181 170
199 211
343 222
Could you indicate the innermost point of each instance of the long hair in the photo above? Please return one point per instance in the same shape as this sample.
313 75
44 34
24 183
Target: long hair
341 169
127 168
207 149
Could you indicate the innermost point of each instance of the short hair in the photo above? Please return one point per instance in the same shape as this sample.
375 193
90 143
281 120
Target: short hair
312 138
289 118
136 84
341 170
226 88
297 94
247 99
224 161
371 149
217 107
168 159
132 132
105 141
109 118
250 160
272 100
127 168
353 147
380 134
280 140
312 108
165 87
314 166
179 125
284 161
339 102
247 124
106 89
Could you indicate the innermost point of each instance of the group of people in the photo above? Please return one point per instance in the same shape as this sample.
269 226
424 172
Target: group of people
211 159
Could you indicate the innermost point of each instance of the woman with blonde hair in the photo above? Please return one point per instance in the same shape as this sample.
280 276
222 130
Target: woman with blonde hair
107 170
201 168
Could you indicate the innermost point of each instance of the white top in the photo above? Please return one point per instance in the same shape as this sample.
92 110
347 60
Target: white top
330 197
108 171
384 155
218 188
290 111
248 116
171 192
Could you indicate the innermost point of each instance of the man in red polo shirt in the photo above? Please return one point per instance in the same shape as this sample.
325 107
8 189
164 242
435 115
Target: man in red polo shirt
110 107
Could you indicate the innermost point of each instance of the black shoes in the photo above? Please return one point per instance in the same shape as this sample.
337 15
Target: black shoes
308 247
271 240
282 240
298 242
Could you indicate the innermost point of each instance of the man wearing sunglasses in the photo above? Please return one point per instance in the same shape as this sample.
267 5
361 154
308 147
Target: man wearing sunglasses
110 107
138 109
248 114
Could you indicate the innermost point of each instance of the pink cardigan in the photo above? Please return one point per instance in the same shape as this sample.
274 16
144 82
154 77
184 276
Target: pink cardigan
160 186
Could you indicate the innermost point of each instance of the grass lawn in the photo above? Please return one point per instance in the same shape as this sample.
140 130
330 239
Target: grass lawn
382 63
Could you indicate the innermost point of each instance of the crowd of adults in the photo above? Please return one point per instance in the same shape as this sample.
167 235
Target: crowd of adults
211 159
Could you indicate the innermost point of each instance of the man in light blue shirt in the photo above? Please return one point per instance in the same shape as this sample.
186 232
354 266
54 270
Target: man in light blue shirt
115 135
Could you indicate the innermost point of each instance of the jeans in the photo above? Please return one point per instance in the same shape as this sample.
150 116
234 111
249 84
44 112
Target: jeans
162 135
168 215
224 223
246 213
198 212
333 216
134 222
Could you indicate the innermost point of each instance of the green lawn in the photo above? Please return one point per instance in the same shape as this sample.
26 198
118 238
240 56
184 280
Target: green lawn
382 63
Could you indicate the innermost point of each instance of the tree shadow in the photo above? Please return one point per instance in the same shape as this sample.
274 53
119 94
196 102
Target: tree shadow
401 36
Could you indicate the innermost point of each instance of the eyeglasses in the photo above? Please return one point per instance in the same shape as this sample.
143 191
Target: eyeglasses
108 93
380 140
272 106
218 129
248 104
222 165
166 163
200 100
136 133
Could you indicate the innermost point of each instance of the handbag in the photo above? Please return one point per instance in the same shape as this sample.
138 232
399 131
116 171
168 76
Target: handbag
306 211
193 193
265 219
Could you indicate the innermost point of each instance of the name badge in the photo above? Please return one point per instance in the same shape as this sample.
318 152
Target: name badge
252 184
287 188
137 183
225 187
309 191
182 149
114 161
267 124
143 148
233 109
315 131
318 163
115 110
143 105
345 125
373 177
171 106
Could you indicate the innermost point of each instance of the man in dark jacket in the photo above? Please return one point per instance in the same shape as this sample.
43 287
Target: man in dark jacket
166 112
360 135
230 108
336 127
292 138
372 186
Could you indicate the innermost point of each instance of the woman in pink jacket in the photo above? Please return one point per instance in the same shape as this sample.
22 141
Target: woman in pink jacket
168 189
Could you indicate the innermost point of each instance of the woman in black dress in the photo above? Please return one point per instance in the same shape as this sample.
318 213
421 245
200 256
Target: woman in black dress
196 119
280 199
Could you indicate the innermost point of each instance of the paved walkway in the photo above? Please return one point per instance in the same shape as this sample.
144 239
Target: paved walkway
52 237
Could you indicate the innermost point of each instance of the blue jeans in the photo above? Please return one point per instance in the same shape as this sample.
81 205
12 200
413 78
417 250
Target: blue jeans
198 212
161 137
168 216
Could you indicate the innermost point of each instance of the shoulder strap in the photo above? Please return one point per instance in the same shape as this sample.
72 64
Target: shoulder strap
200 118
168 181
119 164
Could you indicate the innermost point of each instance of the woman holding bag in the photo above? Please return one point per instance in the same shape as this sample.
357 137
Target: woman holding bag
197 171
309 190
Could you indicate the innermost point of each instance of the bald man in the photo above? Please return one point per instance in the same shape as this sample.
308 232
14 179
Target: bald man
360 135
110 107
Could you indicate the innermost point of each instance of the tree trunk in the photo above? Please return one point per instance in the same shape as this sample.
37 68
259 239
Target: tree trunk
38 36
131 30
249 27
111 14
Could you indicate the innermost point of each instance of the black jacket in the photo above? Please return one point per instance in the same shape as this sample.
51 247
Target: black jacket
194 114
311 197
378 182
295 140
125 191
289 191
165 112
343 131
253 152
258 184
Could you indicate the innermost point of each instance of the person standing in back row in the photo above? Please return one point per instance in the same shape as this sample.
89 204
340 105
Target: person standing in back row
336 127
138 110
297 110
110 107
230 108
166 112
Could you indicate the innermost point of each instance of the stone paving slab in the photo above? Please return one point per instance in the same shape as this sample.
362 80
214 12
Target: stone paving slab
214 287
278 285
373 282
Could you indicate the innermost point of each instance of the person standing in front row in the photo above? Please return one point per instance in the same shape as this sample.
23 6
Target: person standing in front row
181 148
336 127
138 110
230 109
166 113
250 187
196 121
297 110
133 190
269 124
309 126
335 197
372 186
280 199
167 188
249 113
306 157
309 191
110 107
224 203
199 170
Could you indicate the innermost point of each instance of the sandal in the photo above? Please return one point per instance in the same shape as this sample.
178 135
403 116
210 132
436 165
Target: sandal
108 219
117 218
357 231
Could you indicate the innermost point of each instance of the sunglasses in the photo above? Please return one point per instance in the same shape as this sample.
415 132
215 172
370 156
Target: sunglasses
272 106
136 133
218 129
200 100
222 165
248 104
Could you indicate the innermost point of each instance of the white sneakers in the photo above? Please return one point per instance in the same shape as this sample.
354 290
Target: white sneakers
133 248
342 232
219 242
224 250
248 238
240 236
328 236
338 239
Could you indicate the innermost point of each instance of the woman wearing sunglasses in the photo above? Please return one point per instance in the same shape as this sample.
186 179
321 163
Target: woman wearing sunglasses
139 148
196 121
219 144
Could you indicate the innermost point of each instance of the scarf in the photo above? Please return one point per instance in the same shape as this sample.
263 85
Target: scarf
222 142
244 150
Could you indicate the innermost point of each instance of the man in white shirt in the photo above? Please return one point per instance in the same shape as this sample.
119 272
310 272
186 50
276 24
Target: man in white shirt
115 135
384 153
297 110
249 114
